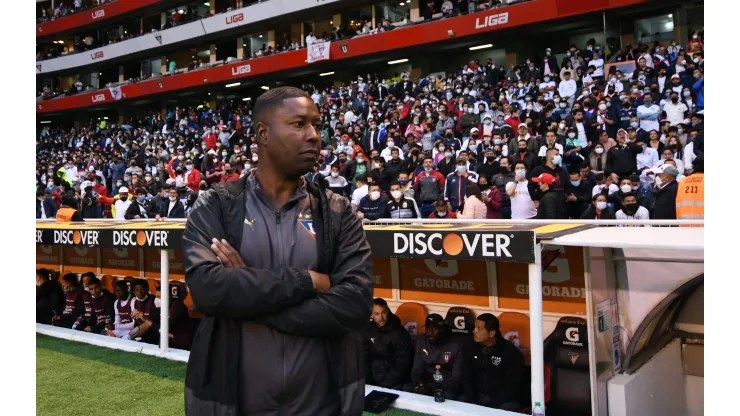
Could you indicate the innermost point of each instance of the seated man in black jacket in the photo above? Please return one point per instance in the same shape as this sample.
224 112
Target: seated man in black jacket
388 349
140 207
496 367
172 208
435 348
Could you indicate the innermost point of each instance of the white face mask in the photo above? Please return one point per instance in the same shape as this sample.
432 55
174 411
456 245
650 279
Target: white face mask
396 194
391 144
374 195
601 205
334 174
254 158
571 135
658 181
599 150
626 188
173 198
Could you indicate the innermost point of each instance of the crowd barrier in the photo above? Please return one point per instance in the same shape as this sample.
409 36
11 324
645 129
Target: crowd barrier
499 265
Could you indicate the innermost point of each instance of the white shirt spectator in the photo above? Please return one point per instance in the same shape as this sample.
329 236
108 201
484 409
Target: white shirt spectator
599 64
543 150
675 112
618 86
311 39
567 88
648 125
386 153
647 159
358 194
522 206
641 214
599 188
648 60
446 7
548 94
349 117
347 149
587 78
679 164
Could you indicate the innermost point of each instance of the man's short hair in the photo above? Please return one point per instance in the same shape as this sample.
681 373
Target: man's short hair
380 302
491 322
140 282
141 191
362 178
70 278
93 280
274 98
122 284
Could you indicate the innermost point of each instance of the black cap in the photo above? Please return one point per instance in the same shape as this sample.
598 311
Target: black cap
434 320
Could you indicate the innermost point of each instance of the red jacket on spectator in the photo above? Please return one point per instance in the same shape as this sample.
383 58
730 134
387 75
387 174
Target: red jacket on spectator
211 140
100 190
192 179
229 177
441 178
448 215
513 122
494 204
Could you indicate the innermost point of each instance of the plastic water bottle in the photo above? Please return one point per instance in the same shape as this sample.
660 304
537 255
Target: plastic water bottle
538 410
439 393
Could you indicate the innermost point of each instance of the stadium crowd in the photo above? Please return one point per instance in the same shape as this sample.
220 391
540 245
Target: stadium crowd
545 139
484 368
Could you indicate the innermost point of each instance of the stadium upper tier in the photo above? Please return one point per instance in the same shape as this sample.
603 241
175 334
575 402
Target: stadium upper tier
150 41
412 34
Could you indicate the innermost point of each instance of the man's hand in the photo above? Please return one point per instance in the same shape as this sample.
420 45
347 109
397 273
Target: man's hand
360 214
137 217
138 315
55 318
572 198
229 257
87 329
321 281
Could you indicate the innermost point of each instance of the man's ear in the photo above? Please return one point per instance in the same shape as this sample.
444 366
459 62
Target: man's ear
261 133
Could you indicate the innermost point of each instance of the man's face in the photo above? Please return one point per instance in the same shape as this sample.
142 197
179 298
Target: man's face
585 171
139 291
428 163
480 333
394 154
380 315
173 193
120 293
95 289
290 138
432 333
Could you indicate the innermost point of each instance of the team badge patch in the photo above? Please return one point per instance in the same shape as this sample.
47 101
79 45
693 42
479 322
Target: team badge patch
447 357
495 360
308 226
344 48
158 37
160 84
573 356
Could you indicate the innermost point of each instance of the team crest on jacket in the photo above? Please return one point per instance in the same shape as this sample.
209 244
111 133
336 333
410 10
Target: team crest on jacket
308 226
573 356
344 48
495 360
447 356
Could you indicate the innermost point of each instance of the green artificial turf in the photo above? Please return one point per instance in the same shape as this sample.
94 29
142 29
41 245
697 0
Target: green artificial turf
75 379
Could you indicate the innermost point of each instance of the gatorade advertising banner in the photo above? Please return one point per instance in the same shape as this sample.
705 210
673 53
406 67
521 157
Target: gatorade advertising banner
48 257
383 280
448 281
563 286
121 261
153 264
80 259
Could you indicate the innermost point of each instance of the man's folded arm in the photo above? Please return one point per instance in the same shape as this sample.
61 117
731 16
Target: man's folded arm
347 305
238 293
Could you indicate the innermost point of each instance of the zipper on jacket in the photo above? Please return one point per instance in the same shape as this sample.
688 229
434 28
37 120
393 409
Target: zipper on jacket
282 345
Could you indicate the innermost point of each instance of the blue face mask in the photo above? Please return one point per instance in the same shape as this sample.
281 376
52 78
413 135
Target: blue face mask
680 131
461 168
427 170
557 159
142 198
403 181
500 123
448 154
575 183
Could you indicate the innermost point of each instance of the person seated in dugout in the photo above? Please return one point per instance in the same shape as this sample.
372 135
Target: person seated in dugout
73 302
388 349
496 367
49 296
98 316
181 325
144 311
123 321
85 280
434 348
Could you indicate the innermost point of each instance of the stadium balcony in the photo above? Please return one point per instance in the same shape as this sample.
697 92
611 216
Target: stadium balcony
406 34
88 52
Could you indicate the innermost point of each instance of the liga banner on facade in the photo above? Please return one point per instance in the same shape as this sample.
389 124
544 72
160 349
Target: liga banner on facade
318 51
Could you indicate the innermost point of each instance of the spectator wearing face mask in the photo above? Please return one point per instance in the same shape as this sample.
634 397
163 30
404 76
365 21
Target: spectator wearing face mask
45 207
229 174
598 209
491 196
500 182
580 196
400 206
356 168
648 114
445 160
141 207
631 209
455 185
698 88
551 204
337 183
119 203
429 187
661 202
172 208
474 207
561 186
622 157
89 206
373 206
522 206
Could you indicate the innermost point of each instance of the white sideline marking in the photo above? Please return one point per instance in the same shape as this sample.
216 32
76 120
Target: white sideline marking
407 401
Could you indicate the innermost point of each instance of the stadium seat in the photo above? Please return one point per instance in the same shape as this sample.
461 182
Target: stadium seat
412 316
153 284
461 320
108 282
566 354
515 328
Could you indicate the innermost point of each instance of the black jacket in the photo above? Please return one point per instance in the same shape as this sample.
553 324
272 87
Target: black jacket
590 214
133 210
496 374
178 211
228 296
552 207
664 202
450 356
622 160
388 353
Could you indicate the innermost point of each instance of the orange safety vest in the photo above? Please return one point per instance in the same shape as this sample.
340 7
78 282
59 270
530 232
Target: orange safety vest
690 198
65 214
